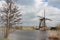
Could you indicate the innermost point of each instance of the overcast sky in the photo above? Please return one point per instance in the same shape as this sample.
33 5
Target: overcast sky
33 8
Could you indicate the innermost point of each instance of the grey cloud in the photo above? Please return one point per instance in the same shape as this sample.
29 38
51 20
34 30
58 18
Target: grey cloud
25 2
45 0
27 18
54 3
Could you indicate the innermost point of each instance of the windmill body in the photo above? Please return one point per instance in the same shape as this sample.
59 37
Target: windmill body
42 23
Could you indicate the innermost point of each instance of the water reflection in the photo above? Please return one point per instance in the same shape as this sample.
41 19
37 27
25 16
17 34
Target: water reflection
28 35
1 34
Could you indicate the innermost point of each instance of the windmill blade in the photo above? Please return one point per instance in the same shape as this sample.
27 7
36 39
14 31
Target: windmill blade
48 19
40 16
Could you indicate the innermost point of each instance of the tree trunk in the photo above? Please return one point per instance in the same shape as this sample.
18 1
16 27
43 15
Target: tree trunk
6 33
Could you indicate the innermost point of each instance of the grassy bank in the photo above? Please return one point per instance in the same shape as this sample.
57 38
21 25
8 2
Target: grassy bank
3 39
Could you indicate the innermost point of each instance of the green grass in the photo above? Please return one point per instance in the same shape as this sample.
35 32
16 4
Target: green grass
3 39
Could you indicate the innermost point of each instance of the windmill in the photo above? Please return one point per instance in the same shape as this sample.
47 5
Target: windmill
42 20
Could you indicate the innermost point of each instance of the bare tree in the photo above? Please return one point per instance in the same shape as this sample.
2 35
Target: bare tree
11 15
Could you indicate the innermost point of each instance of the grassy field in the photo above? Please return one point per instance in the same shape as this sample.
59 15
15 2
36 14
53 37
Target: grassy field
20 28
23 28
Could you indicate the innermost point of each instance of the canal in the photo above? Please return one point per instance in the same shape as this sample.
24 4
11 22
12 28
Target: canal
29 35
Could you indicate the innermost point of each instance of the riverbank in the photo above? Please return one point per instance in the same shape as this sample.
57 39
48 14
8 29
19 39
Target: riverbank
54 34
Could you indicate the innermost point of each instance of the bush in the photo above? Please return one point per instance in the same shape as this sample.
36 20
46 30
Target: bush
58 27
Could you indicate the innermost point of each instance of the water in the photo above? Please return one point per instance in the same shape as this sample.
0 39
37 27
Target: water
28 35
1 34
